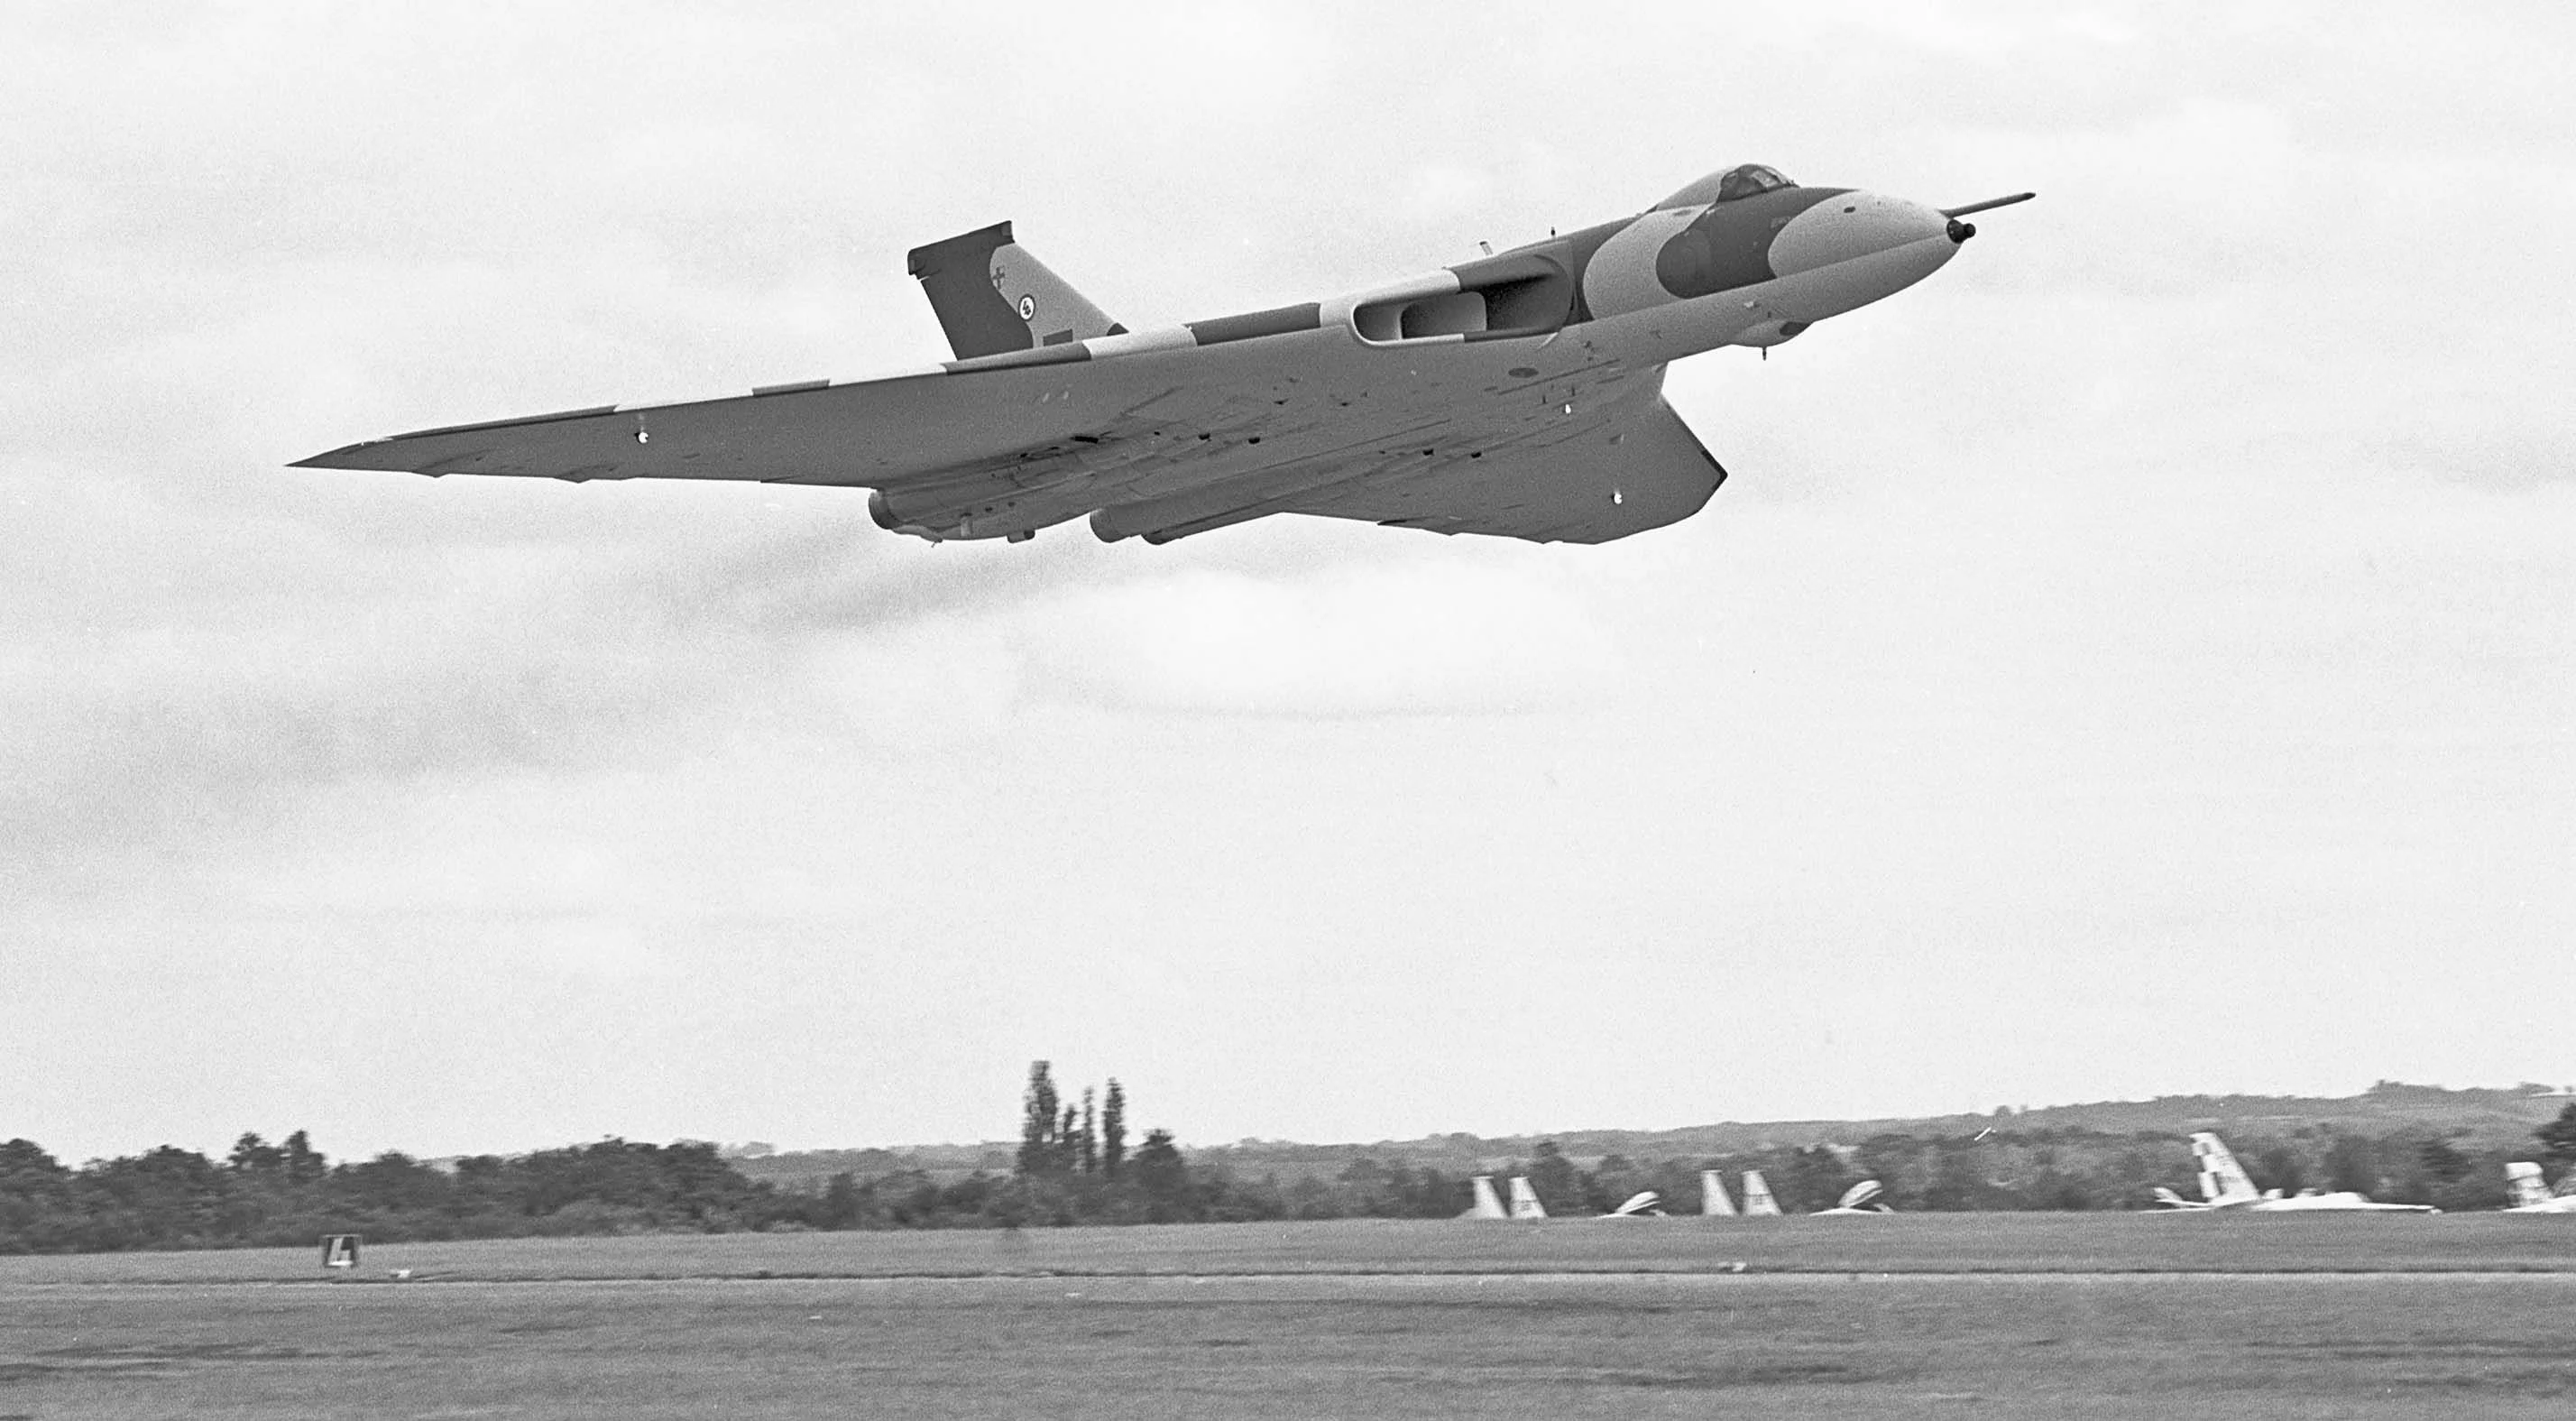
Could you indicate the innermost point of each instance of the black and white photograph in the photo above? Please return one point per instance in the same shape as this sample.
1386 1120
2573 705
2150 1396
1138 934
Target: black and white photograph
1151 710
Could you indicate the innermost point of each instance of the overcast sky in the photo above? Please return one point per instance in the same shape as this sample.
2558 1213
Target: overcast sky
2141 659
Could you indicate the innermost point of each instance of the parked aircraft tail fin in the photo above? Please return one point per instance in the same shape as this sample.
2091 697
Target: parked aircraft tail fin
2525 1178
1757 1196
1712 1195
991 296
2222 1179
1486 1205
1525 1204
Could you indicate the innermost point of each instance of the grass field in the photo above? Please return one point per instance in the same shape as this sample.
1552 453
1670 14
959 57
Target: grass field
1992 1316
1903 1243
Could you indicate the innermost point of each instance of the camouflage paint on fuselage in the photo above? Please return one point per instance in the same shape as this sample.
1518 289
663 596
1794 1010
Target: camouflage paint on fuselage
1675 252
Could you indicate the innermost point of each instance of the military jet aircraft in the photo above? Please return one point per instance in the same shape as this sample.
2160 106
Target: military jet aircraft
2532 1196
2224 1184
1861 1199
1518 395
1644 1204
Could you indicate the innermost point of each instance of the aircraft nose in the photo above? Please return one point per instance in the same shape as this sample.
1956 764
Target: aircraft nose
1857 224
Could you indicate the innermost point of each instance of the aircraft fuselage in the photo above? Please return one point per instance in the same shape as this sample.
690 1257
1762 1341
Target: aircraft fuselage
1367 381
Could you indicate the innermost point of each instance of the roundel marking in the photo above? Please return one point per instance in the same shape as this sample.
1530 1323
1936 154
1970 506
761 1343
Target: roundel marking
1028 307
1620 277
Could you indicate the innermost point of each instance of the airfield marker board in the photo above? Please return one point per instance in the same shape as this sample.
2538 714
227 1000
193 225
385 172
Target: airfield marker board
340 1250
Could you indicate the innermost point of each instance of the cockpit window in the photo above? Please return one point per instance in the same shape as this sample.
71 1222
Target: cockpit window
1747 179
1743 180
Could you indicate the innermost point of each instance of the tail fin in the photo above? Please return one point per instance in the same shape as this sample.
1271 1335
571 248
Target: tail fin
1757 1196
1712 1194
1525 1204
2222 1179
1486 1205
2527 1189
992 296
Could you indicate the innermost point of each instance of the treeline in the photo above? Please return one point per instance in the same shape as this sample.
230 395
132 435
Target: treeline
289 1193
1070 1172
1074 1167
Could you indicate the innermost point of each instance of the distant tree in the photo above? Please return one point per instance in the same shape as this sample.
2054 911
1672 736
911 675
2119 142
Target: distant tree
253 1155
2443 1162
2558 1138
1612 1182
2352 1163
38 1211
1087 1143
1113 1129
841 1202
1068 1143
391 1183
1038 1153
1816 1177
1553 1177
304 1164
2279 1167
1162 1176
163 1198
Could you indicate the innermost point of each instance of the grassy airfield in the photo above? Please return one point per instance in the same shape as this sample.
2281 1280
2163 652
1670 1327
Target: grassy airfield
1984 1315
1894 1243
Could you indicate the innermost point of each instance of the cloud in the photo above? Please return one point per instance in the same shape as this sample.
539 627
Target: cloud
2537 449
2115 592
525 658
1451 637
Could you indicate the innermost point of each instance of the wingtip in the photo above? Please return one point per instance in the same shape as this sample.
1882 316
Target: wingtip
333 458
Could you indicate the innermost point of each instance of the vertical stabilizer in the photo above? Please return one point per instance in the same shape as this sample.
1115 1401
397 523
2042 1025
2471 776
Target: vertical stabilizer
1758 1202
2527 1188
1525 1204
992 296
2222 1179
1712 1195
1486 1205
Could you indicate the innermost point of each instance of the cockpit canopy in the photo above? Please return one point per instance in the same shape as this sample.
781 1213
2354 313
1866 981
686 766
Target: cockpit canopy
1742 180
